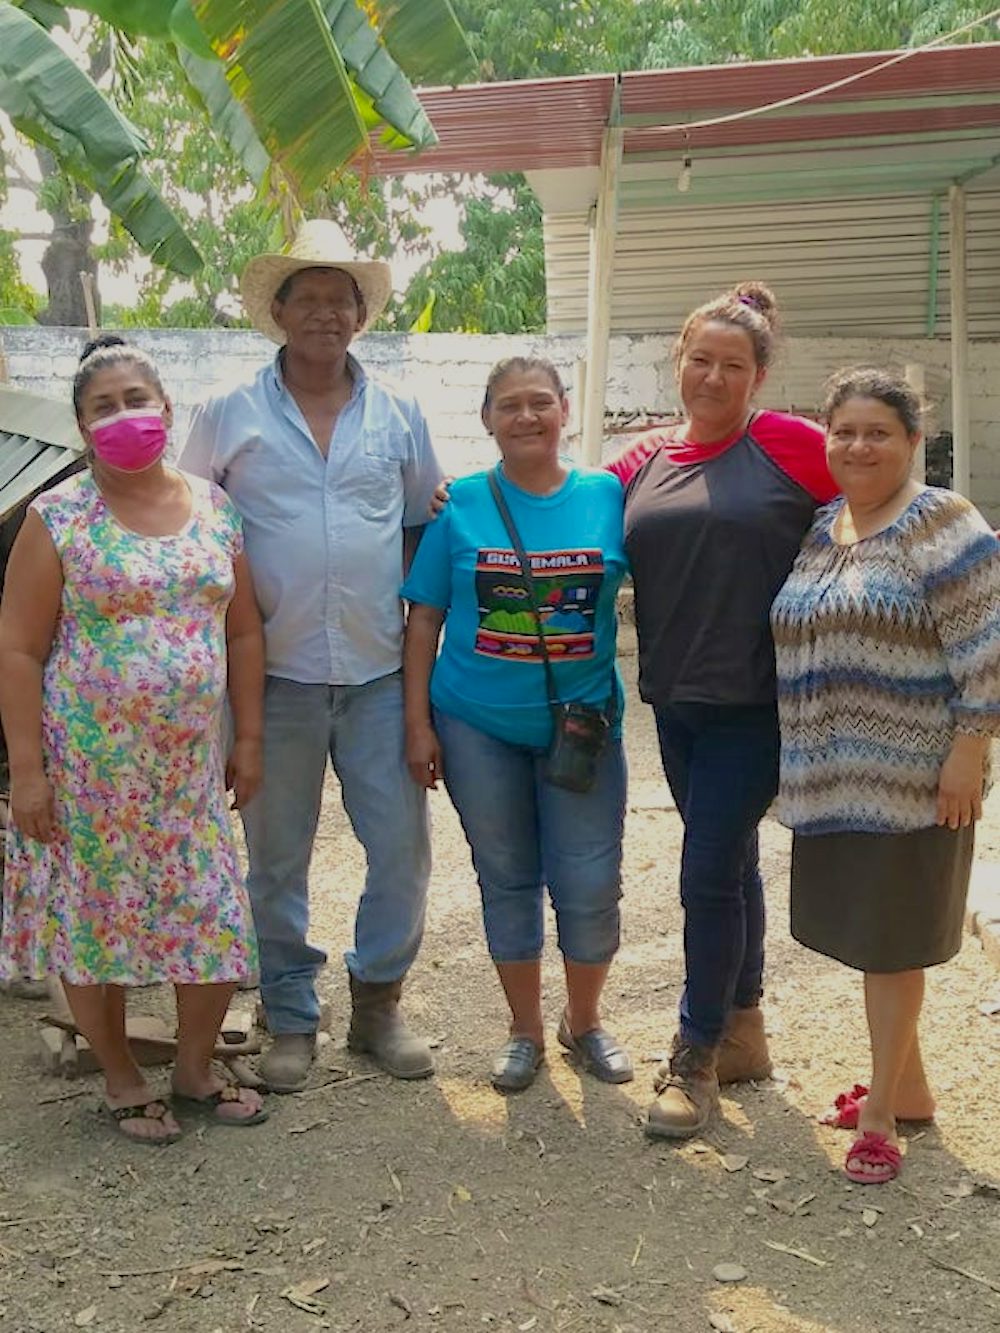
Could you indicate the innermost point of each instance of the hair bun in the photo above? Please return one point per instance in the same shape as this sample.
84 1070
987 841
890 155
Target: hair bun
102 340
760 298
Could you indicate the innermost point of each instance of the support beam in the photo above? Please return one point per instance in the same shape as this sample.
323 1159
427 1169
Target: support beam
934 266
960 422
603 236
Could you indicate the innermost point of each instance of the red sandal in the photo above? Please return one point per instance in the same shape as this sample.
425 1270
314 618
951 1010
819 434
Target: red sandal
873 1150
843 1114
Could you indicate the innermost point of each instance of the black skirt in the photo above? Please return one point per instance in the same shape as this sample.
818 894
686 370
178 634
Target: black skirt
882 902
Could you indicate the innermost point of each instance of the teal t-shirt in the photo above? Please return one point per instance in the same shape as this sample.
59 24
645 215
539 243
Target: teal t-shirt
490 672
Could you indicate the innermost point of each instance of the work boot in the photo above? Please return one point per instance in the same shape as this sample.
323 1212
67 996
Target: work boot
686 1100
284 1066
377 1029
742 1055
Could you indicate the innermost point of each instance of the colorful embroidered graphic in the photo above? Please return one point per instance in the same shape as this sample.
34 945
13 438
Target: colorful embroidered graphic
567 584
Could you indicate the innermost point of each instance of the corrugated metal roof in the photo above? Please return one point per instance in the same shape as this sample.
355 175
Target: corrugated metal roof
836 201
38 440
538 124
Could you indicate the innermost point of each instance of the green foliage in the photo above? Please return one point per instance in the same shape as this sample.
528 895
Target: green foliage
424 322
46 12
497 283
16 296
53 102
164 20
317 77
518 39
282 65
701 34
205 181
387 94
530 39
295 86
425 37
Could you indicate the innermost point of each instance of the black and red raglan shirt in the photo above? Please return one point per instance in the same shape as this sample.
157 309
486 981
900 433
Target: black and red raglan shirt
711 532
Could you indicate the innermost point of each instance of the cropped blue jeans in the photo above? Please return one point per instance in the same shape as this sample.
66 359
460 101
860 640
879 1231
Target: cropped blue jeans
526 835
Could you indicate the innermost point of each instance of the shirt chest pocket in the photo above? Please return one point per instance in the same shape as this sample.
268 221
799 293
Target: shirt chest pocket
378 484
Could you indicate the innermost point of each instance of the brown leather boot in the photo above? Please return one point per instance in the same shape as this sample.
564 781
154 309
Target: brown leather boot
688 1097
742 1055
377 1029
284 1066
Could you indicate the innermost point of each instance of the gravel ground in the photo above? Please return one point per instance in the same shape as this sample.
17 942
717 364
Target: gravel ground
368 1205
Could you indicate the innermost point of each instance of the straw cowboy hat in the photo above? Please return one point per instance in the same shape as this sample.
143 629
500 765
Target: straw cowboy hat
319 244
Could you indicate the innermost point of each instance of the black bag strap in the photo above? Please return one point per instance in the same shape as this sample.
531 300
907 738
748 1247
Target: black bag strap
528 580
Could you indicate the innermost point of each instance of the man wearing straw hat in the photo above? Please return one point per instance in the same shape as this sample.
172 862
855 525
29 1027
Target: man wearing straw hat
332 473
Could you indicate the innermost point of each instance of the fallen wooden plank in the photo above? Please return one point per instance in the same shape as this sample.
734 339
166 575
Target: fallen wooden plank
150 1039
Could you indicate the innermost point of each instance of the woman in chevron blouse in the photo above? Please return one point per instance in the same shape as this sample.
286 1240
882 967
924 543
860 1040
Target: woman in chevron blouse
887 635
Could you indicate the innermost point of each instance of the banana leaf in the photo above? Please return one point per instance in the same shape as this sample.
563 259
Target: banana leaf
186 31
46 12
378 75
55 104
163 20
284 69
424 322
228 119
210 88
424 37
139 18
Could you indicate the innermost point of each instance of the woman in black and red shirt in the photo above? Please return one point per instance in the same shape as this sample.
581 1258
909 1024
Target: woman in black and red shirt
715 512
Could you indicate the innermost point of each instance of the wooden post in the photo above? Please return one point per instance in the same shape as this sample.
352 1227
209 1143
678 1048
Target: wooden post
961 471
602 271
87 283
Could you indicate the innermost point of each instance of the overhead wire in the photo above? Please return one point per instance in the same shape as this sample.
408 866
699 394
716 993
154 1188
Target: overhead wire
685 127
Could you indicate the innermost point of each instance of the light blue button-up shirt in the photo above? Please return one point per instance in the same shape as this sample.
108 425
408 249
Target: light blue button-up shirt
324 536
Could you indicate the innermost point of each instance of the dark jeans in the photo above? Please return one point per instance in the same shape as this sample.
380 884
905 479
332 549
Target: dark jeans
721 761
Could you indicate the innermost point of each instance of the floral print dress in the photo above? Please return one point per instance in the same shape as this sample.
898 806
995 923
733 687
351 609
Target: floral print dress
142 882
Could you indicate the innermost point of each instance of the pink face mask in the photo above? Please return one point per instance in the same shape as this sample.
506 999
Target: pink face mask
132 440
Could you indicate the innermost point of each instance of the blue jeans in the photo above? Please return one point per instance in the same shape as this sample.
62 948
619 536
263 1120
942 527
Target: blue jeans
360 727
525 834
721 761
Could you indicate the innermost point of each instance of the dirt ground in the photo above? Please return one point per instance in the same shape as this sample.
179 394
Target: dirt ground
441 1205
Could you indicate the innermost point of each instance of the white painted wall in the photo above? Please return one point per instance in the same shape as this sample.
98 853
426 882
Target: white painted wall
448 372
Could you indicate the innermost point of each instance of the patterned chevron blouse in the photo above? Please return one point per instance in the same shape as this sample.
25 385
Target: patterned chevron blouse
885 649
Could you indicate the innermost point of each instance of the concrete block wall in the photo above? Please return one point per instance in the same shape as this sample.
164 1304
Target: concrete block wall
448 371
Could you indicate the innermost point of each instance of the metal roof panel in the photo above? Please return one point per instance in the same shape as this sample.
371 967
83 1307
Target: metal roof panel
544 123
38 440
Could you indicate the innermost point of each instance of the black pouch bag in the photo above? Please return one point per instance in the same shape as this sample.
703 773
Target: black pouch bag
579 731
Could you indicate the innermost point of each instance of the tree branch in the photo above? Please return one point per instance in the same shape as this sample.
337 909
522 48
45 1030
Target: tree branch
19 180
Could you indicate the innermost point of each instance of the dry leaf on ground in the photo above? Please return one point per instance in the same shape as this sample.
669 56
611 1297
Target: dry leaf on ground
734 1161
301 1295
607 1295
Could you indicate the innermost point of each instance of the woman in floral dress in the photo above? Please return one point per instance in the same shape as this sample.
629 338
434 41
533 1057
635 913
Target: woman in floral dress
127 603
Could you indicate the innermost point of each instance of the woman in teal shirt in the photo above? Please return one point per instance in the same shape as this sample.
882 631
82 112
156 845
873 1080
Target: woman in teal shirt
479 715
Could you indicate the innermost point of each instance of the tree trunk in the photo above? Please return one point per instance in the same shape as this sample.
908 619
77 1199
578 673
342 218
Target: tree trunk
67 255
